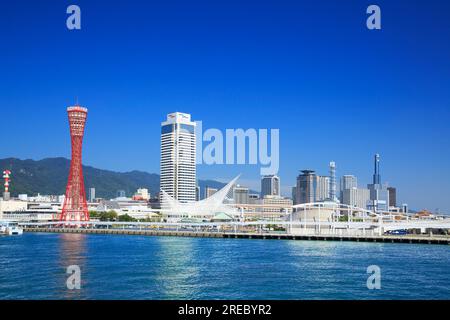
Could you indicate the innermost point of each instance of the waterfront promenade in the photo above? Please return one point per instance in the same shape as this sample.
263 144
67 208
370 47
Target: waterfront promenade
232 234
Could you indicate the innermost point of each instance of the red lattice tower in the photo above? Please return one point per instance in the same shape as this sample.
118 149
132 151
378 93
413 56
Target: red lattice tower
75 205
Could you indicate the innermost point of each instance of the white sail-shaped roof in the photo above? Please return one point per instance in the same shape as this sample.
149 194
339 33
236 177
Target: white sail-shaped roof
206 208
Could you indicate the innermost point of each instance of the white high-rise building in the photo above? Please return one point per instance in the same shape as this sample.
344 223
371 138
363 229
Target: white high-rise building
178 157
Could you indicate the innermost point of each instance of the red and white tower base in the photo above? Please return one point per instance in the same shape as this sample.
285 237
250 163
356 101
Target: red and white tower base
75 205
6 176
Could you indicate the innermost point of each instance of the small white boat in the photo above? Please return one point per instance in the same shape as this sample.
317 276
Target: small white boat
10 228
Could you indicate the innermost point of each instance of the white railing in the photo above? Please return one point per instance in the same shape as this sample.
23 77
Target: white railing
289 227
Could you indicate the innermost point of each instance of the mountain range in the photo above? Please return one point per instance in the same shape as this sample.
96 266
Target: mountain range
49 177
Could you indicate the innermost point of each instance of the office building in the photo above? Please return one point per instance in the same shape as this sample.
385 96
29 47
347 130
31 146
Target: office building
91 194
305 190
210 191
311 187
178 157
270 186
349 182
392 197
240 195
142 194
379 194
323 188
281 204
9 206
253 198
377 175
333 187
356 197
405 208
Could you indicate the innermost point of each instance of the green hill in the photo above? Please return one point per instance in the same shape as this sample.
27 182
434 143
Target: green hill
49 176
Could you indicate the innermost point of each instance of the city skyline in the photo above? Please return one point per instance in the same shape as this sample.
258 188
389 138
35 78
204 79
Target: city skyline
226 158
376 177
370 92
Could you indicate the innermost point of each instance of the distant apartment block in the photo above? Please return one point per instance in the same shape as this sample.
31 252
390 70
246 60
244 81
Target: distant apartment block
91 194
240 195
210 191
270 186
253 198
142 194
121 194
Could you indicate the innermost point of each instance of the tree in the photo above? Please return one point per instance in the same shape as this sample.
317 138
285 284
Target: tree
126 218
108 216
94 214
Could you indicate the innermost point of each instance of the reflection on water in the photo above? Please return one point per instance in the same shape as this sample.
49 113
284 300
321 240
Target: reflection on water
34 266
178 267
335 270
72 253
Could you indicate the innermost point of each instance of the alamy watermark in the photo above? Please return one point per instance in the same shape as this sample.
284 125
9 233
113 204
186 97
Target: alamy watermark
374 20
73 21
74 280
374 280
236 147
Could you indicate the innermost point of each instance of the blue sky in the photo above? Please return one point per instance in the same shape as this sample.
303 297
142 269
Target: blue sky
336 90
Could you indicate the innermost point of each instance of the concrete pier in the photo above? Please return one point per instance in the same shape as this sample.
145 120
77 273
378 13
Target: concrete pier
411 239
